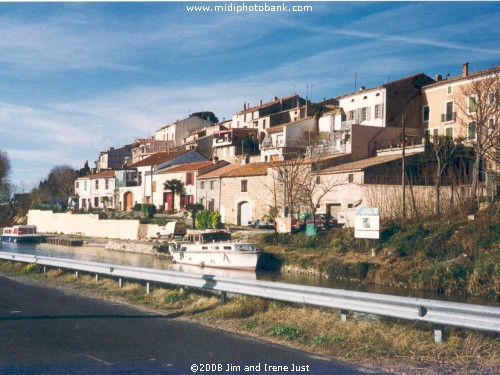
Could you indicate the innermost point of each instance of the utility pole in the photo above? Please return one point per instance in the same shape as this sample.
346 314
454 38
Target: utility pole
403 166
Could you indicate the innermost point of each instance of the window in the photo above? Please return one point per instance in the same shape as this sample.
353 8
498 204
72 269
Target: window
77 184
154 186
448 115
449 90
435 132
426 113
211 205
264 123
350 178
472 104
189 178
96 184
491 98
449 132
378 111
85 185
351 115
202 185
96 201
318 179
212 184
472 131
491 124
244 186
106 183
364 114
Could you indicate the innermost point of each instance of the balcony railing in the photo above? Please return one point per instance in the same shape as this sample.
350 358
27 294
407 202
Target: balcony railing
447 117
348 123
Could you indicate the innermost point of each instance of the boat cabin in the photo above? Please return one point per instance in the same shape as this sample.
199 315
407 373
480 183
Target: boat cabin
208 237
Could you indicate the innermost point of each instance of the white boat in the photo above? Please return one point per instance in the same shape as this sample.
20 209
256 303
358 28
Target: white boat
20 233
214 249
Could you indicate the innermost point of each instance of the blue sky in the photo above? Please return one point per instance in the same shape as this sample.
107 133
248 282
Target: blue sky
77 78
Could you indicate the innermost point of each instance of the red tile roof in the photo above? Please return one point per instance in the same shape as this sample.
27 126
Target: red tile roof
447 81
219 172
103 174
364 163
251 109
250 169
158 158
187 167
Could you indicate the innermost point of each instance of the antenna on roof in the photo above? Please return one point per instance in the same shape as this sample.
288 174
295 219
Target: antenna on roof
355 81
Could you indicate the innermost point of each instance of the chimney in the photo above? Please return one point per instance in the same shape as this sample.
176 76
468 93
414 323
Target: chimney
215 160
275 98
244 106
111 149
261 102
438 77
362 88
465 70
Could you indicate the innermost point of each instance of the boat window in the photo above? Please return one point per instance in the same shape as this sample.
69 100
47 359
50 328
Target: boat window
183 248
244 247
215 247
204 247
227 247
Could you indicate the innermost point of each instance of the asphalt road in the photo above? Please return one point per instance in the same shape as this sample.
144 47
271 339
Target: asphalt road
45 330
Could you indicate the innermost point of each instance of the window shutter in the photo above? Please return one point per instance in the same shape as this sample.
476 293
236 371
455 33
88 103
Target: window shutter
368 114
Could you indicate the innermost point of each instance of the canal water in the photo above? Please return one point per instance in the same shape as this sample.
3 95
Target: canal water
99 254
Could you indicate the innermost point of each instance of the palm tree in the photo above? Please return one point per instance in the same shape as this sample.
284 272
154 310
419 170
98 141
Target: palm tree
175 186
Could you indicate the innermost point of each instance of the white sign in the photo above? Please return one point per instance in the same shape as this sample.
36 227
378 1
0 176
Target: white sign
341 218
367 223
284 224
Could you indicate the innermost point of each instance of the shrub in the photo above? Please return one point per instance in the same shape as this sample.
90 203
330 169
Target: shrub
290 332
149 209
137 207
208 219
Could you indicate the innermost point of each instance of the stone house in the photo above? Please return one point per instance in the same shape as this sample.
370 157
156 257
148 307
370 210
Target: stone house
244 194
233 145
175 132
209 187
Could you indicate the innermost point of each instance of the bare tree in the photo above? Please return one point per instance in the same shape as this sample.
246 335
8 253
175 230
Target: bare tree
478 103
4 165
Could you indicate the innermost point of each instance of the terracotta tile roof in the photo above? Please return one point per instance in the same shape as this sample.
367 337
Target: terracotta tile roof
158 158
447 81
380 86
103 174
188 167
220 172
279 128
364 163
264 105
250 169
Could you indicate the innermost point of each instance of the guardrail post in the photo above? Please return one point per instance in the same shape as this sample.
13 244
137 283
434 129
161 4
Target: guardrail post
148 288
96 278
120 282
223 297
44 269
76 274
343 315
438 333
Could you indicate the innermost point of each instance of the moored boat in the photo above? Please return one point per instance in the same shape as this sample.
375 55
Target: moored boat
20 233
214 249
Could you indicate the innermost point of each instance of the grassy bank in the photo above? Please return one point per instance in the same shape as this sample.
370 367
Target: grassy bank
392 345
453 256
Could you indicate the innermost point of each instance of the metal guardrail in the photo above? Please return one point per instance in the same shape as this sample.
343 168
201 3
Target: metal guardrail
438 313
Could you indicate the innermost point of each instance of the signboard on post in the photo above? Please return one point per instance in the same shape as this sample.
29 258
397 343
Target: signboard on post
367 222
284 224
341 218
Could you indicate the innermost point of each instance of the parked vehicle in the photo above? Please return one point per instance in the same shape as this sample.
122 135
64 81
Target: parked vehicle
173 229
258 224
322 221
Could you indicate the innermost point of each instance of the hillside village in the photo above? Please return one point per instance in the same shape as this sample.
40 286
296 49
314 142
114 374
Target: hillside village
290 155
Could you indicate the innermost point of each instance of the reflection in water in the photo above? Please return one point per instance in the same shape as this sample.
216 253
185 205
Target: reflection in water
99 254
